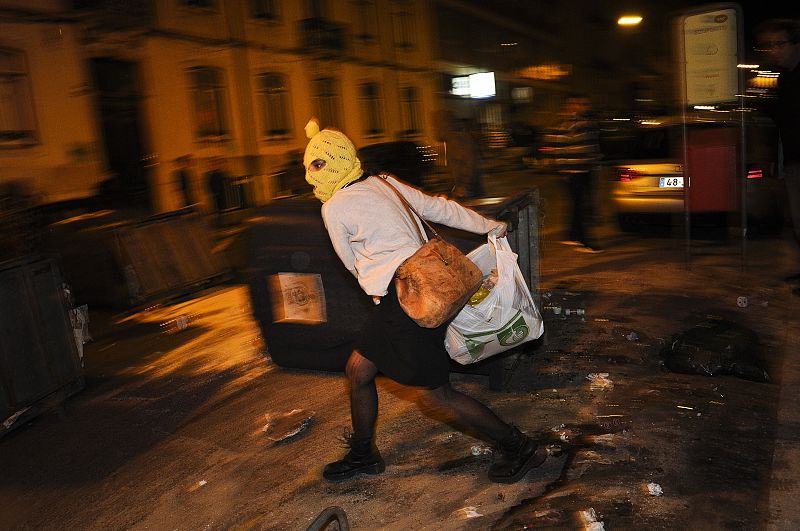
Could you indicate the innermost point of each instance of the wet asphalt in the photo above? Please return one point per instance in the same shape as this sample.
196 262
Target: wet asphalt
196 428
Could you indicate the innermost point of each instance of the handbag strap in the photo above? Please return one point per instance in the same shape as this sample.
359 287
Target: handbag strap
384 178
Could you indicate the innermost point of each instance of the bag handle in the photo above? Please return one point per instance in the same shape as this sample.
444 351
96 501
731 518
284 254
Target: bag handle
409 208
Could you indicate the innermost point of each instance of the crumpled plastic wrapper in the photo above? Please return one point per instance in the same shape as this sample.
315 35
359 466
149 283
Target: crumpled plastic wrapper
282 428
599 380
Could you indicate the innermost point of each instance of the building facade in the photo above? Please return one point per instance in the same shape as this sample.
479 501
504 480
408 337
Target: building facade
106 94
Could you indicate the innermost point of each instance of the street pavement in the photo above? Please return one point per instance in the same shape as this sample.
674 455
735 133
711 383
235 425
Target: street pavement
189 427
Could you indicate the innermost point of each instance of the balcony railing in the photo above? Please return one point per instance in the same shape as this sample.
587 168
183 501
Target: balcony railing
111 15
322 36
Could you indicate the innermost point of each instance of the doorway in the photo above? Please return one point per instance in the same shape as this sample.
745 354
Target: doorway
118 107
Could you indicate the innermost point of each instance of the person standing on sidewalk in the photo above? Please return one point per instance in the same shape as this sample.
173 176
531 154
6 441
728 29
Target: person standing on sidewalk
217 178
463 155
373 235
779 41
575 147
184 175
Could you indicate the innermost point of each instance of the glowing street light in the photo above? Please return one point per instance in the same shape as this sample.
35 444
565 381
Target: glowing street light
629 20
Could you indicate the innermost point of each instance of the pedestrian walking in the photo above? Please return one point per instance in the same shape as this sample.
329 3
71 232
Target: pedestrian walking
576 150
779 41
217 177
373 235
463 155
184 168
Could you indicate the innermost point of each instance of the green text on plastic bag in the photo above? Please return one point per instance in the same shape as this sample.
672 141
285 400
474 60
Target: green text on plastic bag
474 348
513 332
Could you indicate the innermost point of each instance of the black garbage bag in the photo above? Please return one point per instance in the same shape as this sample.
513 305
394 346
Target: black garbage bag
716 346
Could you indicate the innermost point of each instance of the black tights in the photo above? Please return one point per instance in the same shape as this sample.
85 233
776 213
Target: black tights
456 406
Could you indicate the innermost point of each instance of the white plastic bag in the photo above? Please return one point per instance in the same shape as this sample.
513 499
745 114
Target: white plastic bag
507 317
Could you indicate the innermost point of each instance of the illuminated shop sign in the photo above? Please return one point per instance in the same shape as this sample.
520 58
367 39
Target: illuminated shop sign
480 85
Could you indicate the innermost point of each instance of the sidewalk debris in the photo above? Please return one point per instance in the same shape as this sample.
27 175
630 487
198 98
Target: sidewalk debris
468 512
588 519
599 380
654 489
285 427
328 517
564 312
79 318
13 418
481 450
716 346
178 324
197 486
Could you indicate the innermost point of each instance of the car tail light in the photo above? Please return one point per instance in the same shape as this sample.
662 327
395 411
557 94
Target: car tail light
755 173
627 174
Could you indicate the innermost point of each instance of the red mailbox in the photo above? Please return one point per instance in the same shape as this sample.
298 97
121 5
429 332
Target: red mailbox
712 155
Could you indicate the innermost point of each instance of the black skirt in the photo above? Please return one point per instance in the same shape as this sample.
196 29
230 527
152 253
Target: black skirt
401 349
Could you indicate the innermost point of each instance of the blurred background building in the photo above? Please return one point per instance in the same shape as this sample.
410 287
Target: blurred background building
105 94
112 91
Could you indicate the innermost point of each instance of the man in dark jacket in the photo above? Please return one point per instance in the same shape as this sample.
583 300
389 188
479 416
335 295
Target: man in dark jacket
575 147
217 177
779 41
183 172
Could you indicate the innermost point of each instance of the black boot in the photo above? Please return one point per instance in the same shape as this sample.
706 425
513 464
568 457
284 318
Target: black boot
514 456
363 458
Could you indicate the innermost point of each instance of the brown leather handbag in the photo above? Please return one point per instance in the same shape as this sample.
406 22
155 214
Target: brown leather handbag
437 280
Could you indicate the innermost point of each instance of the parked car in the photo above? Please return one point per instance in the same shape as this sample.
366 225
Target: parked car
406 159
648 182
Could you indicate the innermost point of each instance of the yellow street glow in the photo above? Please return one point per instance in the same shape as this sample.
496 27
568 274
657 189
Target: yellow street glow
629 20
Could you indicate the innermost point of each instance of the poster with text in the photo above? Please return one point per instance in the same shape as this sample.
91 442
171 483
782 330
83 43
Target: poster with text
298 298
710 42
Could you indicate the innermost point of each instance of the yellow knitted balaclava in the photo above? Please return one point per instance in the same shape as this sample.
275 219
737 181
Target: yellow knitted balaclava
341 160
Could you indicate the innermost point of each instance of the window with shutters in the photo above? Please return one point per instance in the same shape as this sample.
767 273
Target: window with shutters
17 124
209 99
273 91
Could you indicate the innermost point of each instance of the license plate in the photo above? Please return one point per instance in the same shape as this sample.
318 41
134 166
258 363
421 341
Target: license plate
670 182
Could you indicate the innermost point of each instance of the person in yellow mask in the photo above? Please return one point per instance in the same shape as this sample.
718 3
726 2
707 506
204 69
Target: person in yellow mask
373 234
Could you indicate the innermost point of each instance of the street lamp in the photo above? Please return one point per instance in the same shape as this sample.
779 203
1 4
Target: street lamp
629 20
